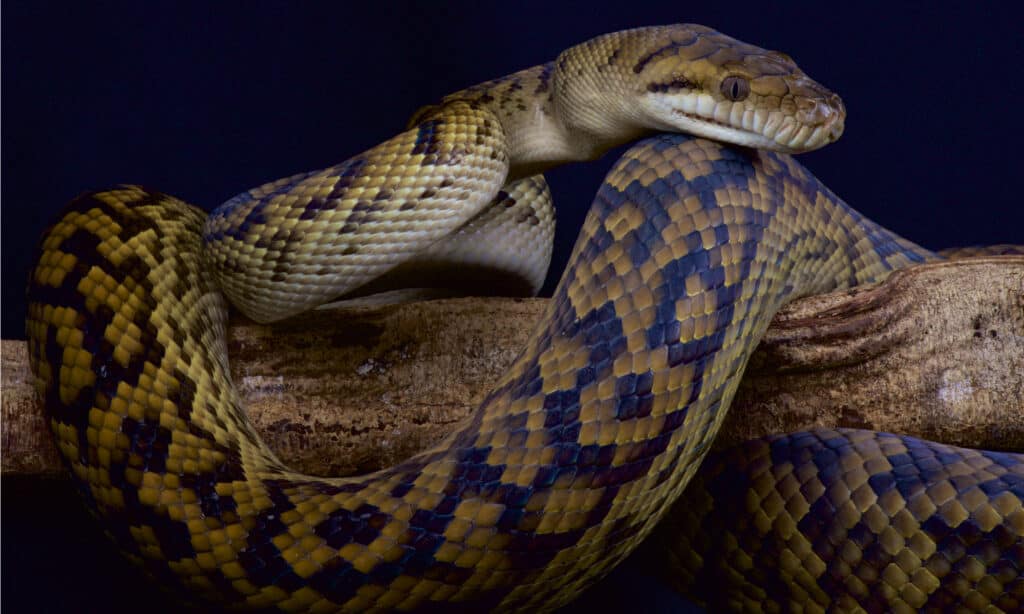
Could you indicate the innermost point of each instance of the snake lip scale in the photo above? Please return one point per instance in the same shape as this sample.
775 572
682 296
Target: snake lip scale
752 139
690 247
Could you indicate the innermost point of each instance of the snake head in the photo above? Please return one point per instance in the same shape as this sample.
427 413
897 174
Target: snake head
690 78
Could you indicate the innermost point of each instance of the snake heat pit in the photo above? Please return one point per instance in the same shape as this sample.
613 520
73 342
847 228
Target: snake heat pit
692 243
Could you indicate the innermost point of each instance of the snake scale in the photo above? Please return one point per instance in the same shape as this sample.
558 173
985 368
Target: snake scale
579 450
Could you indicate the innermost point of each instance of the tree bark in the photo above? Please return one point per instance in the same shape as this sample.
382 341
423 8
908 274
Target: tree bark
935 351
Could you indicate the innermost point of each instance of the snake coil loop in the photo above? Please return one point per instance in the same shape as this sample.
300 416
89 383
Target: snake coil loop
577 453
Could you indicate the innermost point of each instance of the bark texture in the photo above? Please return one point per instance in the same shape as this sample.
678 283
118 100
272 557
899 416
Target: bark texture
934 351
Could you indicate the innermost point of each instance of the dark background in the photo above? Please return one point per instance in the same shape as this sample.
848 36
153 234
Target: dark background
206 100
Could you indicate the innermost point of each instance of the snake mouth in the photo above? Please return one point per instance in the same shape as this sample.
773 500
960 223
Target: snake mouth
773 130
745 124
700 125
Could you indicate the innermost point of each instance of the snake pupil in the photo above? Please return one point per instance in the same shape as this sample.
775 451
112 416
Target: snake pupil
735 88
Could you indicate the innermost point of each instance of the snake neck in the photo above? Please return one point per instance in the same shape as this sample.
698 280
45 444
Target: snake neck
542 121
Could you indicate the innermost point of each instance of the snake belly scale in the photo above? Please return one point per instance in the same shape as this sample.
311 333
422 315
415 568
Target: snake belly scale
568 464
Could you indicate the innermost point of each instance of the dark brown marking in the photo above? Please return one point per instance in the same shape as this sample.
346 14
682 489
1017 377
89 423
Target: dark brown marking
544 79
678 83
646 59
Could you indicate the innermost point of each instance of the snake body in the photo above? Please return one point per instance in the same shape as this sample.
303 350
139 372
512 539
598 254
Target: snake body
850 520
577 452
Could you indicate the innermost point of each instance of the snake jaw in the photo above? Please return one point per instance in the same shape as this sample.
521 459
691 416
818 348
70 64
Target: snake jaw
702 115
706 127
739 124
803 124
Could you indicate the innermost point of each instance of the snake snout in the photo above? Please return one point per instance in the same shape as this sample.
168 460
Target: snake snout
819 111
823 112
836 121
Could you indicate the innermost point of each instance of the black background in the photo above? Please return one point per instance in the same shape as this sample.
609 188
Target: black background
206 100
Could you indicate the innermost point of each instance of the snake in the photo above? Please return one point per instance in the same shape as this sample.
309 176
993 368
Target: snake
698 234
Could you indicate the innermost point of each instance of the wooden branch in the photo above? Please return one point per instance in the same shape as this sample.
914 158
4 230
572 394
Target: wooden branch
936 351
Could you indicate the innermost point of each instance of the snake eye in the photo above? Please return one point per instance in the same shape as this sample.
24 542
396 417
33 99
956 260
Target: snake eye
735 88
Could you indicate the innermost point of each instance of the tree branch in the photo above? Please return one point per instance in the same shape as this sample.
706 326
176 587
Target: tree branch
935 351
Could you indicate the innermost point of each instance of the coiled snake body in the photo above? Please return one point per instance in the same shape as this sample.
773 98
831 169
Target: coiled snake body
571 460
